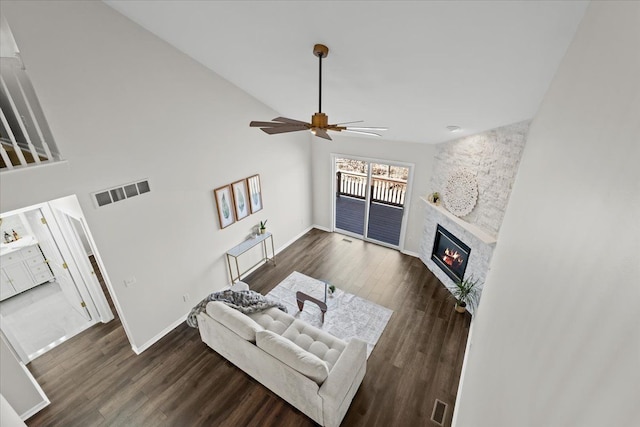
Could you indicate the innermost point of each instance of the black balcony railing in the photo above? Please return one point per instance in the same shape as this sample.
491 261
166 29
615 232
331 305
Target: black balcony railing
387 191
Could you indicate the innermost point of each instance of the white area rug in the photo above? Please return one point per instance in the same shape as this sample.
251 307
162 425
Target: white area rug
347 315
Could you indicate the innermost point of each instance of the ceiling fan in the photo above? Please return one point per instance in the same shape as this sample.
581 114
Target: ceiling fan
319 121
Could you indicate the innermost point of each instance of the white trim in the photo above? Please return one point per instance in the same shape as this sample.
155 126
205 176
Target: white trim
60 340
183 318
280 249
291 241
407 198
61 238
85 269
321 228
39 407
160 335
14 343
45 400
485 236
103 271
96 254
411 253
462 375
348 234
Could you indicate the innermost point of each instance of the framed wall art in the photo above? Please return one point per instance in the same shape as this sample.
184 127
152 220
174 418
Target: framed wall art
240 199
224 201
255 193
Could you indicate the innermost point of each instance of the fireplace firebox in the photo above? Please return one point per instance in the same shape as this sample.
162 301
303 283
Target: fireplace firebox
450 254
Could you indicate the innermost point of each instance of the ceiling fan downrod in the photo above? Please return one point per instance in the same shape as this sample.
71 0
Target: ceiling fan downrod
321 51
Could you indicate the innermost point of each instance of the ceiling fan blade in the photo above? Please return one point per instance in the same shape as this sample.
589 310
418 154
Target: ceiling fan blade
283 129
255 124
365 128
322 133
287 120
348 123
361 132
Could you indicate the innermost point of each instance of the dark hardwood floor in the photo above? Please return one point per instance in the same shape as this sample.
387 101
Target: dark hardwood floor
95 379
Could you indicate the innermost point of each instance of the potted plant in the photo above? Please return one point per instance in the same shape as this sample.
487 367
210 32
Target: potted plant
434 198
332 290
263 226
466 292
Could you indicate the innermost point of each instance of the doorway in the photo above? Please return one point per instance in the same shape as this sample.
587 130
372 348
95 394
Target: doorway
54 299
371 199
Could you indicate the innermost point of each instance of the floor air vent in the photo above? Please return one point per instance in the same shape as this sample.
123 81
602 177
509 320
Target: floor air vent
439 412
122 192
346 240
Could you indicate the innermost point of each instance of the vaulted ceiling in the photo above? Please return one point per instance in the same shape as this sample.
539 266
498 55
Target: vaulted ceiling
415 67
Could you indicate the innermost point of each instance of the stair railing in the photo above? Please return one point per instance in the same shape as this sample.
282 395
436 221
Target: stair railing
19 145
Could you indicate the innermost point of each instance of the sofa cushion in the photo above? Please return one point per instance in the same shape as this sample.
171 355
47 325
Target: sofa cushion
238 322
290 354
273 319
327 347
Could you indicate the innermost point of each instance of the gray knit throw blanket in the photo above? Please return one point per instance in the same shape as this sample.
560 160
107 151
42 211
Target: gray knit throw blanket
246 302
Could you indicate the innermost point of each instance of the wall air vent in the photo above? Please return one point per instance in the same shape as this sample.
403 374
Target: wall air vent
122 192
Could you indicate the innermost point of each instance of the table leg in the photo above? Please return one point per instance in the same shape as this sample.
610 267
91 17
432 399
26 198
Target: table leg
237 269
230 272
273 251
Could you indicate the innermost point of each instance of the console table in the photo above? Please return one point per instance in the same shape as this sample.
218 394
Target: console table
243 247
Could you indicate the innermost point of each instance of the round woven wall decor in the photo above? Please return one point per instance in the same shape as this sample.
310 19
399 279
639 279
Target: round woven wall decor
460 192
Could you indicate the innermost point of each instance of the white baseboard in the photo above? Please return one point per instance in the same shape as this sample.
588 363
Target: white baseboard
463 373
280 249
320 227
31 412
41 405
291 241
411 253
159 336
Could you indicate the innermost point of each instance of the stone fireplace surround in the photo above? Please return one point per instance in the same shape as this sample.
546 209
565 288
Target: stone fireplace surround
494 157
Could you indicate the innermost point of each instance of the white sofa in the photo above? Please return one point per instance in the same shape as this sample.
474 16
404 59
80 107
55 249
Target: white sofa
312 370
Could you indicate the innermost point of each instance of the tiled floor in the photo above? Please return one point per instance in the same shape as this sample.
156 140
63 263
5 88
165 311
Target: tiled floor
41 318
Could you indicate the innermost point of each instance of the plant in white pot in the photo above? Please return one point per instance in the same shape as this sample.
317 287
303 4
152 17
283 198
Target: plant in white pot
332 290
467 293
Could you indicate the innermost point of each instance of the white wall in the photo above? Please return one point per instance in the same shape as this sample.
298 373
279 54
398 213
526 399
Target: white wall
124 105
8 416
421 155
17 384
556 340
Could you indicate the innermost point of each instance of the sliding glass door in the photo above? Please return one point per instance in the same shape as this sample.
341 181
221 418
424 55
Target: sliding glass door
370 199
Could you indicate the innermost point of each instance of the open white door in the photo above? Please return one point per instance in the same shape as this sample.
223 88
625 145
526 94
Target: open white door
74 232
58 265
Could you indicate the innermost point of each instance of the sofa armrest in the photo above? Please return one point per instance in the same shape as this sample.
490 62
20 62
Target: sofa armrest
344 372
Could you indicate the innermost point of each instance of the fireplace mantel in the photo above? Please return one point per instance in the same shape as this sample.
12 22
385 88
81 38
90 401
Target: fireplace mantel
481 234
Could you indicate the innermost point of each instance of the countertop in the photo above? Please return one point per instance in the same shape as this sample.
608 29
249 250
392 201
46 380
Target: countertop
23 242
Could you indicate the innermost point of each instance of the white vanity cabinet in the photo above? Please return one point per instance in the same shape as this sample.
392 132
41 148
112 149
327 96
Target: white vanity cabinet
22 269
